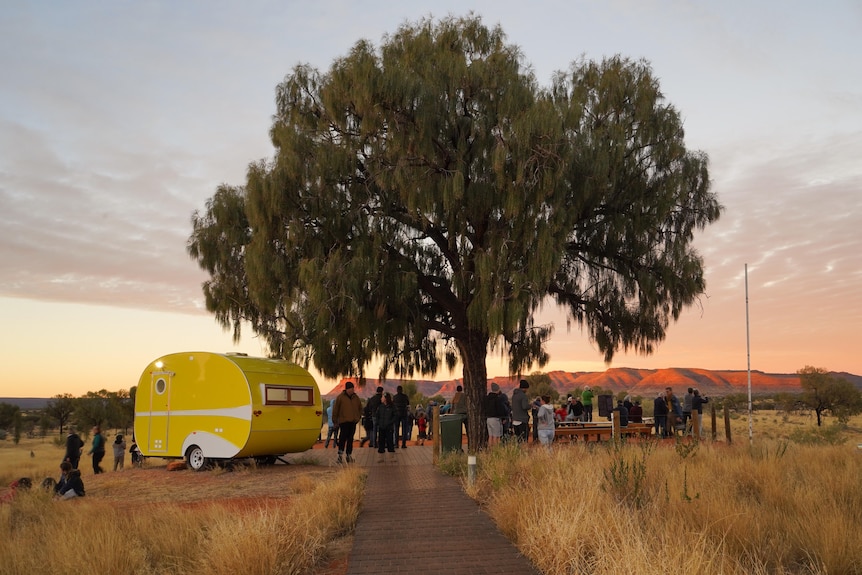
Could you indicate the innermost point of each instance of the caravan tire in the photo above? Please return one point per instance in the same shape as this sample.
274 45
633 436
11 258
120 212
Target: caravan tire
195 458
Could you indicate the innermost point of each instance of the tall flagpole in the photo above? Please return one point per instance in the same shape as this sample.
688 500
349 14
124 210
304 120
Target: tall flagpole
748 355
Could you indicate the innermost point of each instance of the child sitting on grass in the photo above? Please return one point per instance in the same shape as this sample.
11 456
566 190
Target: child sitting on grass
70 484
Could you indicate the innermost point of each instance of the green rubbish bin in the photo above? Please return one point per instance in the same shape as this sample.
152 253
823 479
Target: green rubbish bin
450 431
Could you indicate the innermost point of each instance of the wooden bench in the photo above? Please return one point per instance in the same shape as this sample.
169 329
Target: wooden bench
638 429
573 431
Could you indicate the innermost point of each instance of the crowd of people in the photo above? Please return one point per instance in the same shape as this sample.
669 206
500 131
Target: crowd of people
70 483
507 417
388 420
75 448
672 416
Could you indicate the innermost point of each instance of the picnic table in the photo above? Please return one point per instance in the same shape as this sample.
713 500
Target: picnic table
596 430
583 430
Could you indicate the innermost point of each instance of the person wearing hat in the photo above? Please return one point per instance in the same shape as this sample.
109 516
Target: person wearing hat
346 414
74 445
495 412
521 411
119 446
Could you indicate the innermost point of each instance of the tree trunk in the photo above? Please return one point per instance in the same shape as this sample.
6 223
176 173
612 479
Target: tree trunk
474 351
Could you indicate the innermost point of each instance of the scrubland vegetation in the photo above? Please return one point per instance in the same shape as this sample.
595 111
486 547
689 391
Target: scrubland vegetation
790 503
778 506
247 521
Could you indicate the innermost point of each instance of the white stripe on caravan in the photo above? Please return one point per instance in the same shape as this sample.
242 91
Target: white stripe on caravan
243 413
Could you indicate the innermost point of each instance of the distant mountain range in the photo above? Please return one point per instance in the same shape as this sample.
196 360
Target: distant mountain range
27 403
638 382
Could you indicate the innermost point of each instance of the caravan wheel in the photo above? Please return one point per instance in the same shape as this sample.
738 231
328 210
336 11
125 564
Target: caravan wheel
196 459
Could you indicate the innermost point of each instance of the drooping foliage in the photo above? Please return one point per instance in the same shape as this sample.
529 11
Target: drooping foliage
427 196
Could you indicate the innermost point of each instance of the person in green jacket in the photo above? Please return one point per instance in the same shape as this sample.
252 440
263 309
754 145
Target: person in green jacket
587 401
98 450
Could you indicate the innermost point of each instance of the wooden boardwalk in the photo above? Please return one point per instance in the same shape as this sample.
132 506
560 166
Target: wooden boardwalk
416 520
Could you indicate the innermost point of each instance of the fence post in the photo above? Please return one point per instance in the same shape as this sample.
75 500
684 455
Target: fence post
727 424
714 427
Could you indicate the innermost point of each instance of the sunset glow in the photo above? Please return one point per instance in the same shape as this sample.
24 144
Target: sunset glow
118 121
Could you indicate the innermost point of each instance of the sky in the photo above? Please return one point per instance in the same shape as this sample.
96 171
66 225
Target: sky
118 120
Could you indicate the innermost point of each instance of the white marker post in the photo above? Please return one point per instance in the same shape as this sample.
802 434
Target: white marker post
748 354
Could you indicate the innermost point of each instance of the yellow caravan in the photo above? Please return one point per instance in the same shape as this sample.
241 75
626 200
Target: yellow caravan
208 407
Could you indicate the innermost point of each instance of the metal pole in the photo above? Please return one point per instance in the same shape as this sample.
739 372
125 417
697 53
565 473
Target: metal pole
748 355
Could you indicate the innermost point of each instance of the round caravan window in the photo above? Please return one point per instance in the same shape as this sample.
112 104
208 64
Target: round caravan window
161 386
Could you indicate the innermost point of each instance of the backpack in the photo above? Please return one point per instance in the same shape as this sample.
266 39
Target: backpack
492 401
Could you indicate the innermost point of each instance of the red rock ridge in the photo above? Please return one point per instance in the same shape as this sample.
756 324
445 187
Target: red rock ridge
641 382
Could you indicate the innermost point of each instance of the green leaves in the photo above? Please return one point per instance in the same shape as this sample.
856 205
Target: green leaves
637 195
427 196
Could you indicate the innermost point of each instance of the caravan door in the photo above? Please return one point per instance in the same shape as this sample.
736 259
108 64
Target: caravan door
160 410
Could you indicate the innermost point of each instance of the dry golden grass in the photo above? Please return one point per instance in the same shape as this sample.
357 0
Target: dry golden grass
273 520
775 507
791 503
16 461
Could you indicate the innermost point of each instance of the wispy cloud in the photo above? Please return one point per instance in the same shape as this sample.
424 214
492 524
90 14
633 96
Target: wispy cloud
118 121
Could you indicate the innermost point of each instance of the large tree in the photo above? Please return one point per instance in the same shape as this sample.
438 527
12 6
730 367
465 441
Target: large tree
426 197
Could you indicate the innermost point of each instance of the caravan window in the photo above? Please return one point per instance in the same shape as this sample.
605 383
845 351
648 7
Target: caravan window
283 395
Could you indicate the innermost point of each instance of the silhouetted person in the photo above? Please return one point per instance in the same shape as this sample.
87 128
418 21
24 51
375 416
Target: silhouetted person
74 445
402 407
